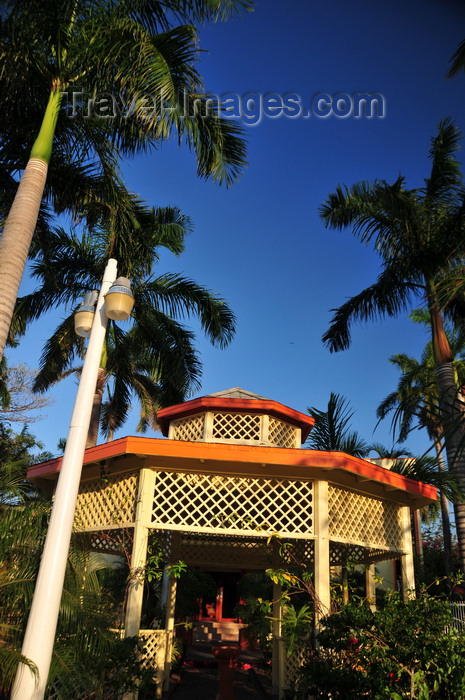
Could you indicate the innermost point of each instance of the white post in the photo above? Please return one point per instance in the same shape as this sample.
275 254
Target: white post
170 607
139 553
408 567
321 527
41 626
370 585
278 658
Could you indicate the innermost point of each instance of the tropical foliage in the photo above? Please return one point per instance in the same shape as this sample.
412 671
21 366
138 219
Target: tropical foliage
152 357
405 650
415 404
420 237
87 656
141 55
331 430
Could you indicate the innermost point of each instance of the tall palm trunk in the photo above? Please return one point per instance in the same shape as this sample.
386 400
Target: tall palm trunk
452 415
454 439
21 222
445 516
92 435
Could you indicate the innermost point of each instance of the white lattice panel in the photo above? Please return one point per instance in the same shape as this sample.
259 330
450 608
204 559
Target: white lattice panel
241 552
165 539
300 552
292 665
107 503
240 505
282 434
236 426
189 429
341 553
112 541
153 650
55 691
360 519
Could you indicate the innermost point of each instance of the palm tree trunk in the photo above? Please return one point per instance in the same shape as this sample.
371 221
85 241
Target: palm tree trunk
92 435
16 240
20 224
454 439
445 516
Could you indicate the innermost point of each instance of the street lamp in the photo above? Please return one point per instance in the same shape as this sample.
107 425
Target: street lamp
41 626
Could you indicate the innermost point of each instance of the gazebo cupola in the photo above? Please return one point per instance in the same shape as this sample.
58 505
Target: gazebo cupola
236 416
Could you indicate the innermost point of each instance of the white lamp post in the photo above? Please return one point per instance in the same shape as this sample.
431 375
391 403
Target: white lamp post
41 627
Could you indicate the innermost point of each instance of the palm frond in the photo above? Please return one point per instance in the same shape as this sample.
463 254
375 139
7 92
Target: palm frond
457 61
445 180
388 296
425 469
180 297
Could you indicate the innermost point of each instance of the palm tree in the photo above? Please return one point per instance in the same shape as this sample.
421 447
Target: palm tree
154 358
331 431
419 235
131 51
416 398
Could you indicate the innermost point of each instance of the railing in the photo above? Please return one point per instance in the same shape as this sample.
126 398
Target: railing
153 654
458 613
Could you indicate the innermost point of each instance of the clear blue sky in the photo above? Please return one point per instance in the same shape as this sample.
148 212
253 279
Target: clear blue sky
261 244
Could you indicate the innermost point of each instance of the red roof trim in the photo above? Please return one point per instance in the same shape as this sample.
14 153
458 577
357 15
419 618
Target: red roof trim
220 403
177 449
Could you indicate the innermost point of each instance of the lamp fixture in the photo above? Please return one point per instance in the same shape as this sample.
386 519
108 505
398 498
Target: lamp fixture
84 316
119 300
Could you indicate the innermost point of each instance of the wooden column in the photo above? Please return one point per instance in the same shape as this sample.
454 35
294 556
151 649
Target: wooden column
278 659
139 553
139 559
407 562
170 607
370 586
321 527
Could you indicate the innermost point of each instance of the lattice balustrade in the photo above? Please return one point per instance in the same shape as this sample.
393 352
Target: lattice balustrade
56 691
282 434
236 426
292 664
107 503
360 519
240 505
189 429
153 652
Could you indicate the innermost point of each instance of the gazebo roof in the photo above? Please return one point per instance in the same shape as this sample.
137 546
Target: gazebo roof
346 471
235 400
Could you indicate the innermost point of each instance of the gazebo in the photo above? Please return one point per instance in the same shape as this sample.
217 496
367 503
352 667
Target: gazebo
228 474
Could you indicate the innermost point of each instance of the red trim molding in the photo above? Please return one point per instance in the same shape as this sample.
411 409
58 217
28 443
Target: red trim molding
218 403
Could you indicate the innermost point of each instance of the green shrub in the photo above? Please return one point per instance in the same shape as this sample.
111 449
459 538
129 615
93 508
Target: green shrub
406 650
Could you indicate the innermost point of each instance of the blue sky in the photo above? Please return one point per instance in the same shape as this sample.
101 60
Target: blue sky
261 244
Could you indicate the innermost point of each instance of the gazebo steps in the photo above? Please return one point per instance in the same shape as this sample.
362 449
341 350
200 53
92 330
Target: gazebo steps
213 631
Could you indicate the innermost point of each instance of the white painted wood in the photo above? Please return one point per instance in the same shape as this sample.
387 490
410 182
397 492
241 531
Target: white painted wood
370 584
407 561
170 609
139 553
321 527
